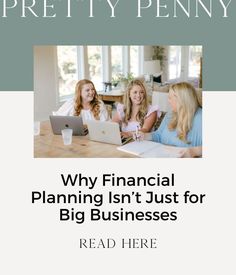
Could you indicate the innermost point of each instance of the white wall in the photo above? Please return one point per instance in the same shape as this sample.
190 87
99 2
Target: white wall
148 52
45 81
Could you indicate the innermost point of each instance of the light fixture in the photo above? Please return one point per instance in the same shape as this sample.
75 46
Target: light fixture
152 68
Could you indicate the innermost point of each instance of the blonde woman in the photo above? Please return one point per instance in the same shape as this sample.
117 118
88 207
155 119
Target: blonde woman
85 103
135 114
182 127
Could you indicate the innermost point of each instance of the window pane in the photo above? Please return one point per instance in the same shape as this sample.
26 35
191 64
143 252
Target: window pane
134 62
67 70
174 62
95 65
195 53
116 60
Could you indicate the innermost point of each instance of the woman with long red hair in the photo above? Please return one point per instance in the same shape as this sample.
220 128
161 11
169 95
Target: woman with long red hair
85 103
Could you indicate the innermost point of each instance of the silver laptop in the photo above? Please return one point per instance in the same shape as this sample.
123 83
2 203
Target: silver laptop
75 123
105 131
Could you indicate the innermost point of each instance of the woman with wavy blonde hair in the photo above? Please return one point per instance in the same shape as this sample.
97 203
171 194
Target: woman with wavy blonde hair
84 103
182 126
135 113
184 103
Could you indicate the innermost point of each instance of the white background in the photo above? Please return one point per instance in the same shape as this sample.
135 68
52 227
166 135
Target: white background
34 241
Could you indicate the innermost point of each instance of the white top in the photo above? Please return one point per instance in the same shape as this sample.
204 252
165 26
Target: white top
132 125
67 109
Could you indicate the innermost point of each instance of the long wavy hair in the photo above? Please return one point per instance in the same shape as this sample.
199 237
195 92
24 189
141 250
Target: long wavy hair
187 105
128 103
94 104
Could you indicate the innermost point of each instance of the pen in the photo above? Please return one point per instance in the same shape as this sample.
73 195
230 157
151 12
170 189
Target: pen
137 134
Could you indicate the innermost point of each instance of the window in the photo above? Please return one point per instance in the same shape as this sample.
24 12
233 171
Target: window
195 53
95 65
184 63
67 70
116 60
174 62
134 60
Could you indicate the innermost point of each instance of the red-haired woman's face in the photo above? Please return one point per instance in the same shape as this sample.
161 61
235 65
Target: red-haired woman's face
87 93
137 95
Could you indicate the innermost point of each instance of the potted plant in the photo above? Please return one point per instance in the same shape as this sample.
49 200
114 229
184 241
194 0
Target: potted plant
123 80
159 54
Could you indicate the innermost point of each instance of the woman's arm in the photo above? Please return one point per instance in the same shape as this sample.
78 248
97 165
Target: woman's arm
191 152
116 118
147 127
119 113
104 116
149 122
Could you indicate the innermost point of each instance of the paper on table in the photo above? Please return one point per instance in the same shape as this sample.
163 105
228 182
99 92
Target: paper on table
162 151
150 149
137 147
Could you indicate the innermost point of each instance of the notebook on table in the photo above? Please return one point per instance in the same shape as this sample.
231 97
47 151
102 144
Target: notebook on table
75 123
150 149
105 131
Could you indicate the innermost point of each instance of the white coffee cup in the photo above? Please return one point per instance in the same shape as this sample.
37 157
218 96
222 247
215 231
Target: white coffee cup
67 136
36 128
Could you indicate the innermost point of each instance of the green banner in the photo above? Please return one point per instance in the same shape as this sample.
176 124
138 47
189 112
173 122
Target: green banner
210 23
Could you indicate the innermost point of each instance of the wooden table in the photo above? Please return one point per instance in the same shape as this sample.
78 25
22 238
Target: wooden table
48 145
112 96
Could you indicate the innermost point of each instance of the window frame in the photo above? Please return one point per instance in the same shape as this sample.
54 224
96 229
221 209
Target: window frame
176 78
83 68
184 65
